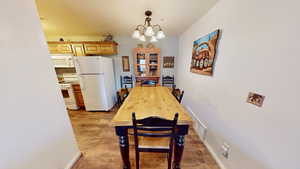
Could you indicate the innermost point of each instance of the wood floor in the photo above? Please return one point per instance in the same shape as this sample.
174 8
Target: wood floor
97 141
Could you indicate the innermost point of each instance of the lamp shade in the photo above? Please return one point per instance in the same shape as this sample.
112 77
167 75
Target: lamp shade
149 31
136 34
153 39
142 38
160 34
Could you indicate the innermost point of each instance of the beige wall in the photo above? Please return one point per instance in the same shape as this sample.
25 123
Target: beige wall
258 51
35 129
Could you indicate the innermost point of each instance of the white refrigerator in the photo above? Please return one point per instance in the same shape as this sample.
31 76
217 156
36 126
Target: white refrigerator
97 82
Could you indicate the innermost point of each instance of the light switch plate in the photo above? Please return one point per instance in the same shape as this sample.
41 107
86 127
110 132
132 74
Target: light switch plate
255 99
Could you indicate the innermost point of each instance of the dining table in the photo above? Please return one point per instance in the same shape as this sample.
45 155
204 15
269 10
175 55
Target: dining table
146 102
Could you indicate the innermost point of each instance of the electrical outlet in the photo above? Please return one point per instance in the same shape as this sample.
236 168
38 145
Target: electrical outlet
225 150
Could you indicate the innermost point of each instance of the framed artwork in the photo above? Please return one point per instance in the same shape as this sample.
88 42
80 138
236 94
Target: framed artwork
203 55
125 63
256 99
168 62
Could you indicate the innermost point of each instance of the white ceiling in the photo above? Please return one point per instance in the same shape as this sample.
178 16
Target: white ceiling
119 17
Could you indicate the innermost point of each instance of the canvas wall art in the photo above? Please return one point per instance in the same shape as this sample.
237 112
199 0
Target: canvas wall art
204 51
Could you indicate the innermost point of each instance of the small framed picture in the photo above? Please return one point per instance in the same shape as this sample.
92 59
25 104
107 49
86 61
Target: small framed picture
125 64
168 62
256 99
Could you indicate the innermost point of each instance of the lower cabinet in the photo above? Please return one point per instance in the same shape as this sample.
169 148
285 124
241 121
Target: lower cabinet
78 95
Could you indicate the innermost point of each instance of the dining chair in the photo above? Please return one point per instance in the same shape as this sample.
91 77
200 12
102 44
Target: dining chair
168 80
154 127
126 80
177 94
122 95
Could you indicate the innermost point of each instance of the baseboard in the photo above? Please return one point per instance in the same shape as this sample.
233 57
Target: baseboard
209 148
215 156
74 160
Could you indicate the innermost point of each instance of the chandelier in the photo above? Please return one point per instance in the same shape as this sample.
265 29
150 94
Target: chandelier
147 30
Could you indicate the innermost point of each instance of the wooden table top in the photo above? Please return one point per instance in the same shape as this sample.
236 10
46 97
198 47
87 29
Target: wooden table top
150 101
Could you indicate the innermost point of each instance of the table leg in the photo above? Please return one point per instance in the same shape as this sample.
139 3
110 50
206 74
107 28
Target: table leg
124 146
178 151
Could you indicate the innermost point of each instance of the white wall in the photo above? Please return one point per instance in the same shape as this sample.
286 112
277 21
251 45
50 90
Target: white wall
34 125
168 47
258 51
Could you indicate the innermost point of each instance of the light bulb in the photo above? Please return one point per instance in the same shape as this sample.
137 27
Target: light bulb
153 39
136 34
142 38
160 34
149 31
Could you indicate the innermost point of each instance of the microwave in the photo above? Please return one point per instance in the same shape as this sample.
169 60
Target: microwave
63 61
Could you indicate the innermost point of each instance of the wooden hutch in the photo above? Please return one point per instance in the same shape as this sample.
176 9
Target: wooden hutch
147 64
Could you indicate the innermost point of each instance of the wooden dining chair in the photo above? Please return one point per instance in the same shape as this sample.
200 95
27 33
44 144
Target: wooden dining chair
155 127
168 80
178 94
126 80
122 95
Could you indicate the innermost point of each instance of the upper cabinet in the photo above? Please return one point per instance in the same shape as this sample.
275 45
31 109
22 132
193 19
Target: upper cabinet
103 48
85 48
60 48
92 48
78 49
107 48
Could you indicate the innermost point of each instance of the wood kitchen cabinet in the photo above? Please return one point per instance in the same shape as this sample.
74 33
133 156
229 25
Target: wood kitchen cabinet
91 48
78 49
103 48
78 95
84 48
60 48
108 48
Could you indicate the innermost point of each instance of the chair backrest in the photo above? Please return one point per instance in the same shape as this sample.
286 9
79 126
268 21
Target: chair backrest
122 95
153 123
168 80
180 97
119 97
177 94
126 80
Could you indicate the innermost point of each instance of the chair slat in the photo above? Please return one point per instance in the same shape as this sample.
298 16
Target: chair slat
155 134
146 128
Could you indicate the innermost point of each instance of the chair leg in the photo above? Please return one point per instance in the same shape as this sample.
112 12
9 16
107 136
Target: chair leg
137 160
169 160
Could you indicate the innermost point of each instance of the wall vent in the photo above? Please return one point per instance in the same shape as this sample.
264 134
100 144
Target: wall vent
200 128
